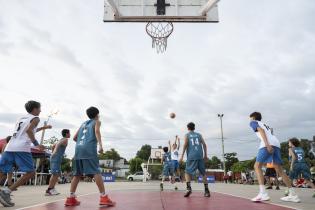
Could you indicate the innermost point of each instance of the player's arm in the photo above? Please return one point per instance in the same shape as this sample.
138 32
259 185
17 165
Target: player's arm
204 146
293 158
184 148
178 142
255 126
98 135
169 146
75 137
43 128
29 131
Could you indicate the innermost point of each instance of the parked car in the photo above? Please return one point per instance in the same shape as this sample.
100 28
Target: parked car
137 176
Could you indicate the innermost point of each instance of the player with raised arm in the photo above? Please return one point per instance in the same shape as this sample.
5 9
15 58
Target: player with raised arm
269 151
55 162
86 162
168 167
18 150
196 149
175 155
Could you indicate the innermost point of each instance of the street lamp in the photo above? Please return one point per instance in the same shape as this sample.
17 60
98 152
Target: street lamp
222 139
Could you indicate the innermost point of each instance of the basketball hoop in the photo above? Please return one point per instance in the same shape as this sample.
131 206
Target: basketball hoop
159 32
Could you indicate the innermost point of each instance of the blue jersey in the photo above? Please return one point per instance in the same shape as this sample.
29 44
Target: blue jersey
167 158
194 149
59 153
86 145
300 155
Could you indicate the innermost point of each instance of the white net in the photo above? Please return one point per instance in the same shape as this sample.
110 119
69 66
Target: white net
159 32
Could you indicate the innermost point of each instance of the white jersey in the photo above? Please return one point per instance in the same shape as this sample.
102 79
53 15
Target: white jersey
175 155
20 141
273 140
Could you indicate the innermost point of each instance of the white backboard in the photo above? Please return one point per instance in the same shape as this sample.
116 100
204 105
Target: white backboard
156 153
155 11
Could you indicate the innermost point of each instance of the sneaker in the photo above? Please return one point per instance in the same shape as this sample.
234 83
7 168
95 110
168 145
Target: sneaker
161 186
261 197
269 188
51 192
277 188
187 194
207 193
291 198
72 201
5 199
286 192
106 201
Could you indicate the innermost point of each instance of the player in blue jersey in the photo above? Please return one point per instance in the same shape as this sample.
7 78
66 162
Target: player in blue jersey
196 149
86 161
298 164
58 152
269 151
168 167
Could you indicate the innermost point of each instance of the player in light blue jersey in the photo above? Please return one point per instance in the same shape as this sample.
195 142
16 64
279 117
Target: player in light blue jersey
168 167
196 155
298 164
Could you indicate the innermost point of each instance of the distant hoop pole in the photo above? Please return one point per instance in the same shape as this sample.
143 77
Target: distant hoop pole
114 7
207 7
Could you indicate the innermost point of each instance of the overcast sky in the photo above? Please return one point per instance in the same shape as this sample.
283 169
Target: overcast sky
259 57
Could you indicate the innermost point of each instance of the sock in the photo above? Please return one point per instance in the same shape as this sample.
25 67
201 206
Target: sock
72 194
103 194
262 189
188 186
206 186
291 191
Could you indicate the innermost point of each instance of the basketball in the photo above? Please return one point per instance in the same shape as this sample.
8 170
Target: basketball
172 115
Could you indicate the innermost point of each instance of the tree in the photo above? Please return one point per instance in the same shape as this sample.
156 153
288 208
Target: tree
111 154
145 152
135 165
230 159
66 164
213 163
243 166
48 143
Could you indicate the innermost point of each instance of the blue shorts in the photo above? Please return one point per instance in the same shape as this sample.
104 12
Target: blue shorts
168 169
298 169
55 167
86 167
22 160
264 156
175 164
193 165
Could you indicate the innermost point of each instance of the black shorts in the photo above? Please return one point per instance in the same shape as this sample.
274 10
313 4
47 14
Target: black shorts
271 172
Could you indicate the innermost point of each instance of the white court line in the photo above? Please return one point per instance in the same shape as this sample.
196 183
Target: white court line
41 204
251 201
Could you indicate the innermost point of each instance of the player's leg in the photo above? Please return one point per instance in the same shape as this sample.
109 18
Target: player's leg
262 158
77 173
307 176
202 170
191 167
52 183
91 166
6 164
9 178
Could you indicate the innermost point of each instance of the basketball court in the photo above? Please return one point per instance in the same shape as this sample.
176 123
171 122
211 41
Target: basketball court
139 195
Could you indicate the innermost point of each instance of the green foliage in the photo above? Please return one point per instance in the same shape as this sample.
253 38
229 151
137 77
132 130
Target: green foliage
145 152
135 165
155 171
213 163
243 166
230 159
48 143
66 164
111 154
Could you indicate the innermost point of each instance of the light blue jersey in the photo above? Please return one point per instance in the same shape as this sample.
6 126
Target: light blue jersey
59 153
86 145
300 155
167 158
194 149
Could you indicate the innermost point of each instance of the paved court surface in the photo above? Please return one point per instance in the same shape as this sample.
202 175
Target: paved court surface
146 196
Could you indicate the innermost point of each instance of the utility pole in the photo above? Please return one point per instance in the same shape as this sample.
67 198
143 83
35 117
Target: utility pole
222 140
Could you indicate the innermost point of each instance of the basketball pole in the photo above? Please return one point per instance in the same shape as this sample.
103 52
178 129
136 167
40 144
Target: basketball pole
207 7
222 140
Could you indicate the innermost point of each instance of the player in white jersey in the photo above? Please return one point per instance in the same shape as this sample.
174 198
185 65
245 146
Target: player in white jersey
269 151
175 155
18 150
